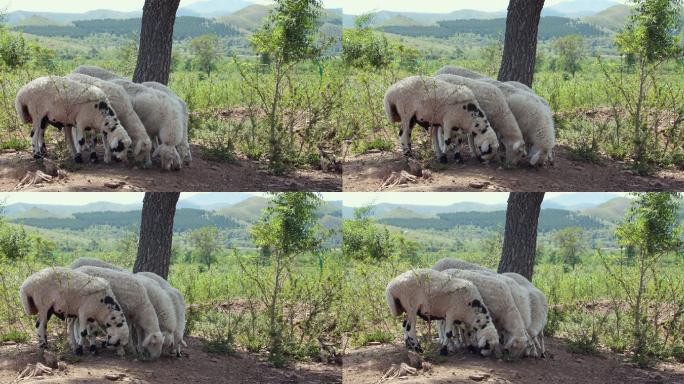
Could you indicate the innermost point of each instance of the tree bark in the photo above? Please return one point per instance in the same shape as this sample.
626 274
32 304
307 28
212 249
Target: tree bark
520 46
156 233
520 239
156 41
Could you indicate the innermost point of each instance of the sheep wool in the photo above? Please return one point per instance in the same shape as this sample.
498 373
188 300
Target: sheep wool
433 295
179 305
430 102
64 293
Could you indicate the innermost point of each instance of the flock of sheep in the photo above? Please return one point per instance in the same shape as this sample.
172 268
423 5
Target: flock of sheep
140 312
141 120
500 314
500 120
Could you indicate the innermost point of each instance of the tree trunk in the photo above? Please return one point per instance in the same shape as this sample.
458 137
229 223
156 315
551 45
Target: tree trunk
520 239
156 41
156 233
520 46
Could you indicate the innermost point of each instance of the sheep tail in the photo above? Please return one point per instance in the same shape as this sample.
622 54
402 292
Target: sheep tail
28 304
393 303
22 109
391 110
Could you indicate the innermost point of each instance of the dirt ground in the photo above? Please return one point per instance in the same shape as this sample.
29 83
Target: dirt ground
202 176
369 172
196 367
369 364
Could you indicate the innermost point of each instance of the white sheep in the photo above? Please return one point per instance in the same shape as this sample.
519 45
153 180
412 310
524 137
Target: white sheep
502 120
429 103
87 261
163 119
63 102
460 71
452 263
136 304
433 295
165 309
93 71
498 298
539 313
67 293
121 103
535 119
179 305
184 147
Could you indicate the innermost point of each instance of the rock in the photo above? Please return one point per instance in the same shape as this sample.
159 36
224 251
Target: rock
479 376
62 366
415 168
114 184
112 376
50 359
50 167
479 184
415 360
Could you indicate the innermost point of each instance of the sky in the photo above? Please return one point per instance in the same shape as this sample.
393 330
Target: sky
349 6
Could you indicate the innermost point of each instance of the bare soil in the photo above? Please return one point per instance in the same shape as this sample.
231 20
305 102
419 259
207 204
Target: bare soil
369 172
196 367
369 364
202 175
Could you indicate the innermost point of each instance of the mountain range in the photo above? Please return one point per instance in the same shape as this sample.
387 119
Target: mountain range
242 11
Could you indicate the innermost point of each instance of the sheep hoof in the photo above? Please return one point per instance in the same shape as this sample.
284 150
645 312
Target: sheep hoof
444 350
93 349
37 156
79 351
418 349
78 158
458 158
408 153
443 159
116 159
93 158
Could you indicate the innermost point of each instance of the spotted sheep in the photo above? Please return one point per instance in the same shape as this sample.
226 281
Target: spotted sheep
432 103
66 293
503 309
531 111
503 122
63 102
121 105
433 295
136 304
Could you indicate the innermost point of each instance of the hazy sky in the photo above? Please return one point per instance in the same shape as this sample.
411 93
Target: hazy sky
350 6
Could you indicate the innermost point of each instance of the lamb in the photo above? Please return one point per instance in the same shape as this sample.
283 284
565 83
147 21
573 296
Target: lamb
535 120
136 304
184 148
433 295
179 305
67 293
121 103
493 102
539 313
459 71
430 102
164 307
97 72
451 263
499 300
63 102
163 118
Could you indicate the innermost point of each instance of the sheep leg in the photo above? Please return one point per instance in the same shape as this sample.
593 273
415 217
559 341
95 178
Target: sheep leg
405 135
69 138
78 139
41 325
437 136
37 137
541 343
411 337
473 148
107 152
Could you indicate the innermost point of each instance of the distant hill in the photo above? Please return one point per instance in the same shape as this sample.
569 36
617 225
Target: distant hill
38 20
36 213
185 27
549 220
549 27
578 201
577 8
384 17
612 210
380 210
213 8
613 18
15 18
249 18
400 20
402 213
